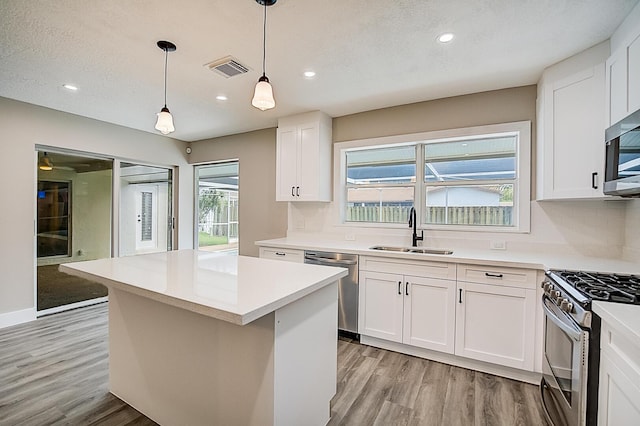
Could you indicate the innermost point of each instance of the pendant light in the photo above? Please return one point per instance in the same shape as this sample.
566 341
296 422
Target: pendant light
263 95
45 163
165 120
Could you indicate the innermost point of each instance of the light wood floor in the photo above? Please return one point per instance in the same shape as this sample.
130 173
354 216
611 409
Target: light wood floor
54 371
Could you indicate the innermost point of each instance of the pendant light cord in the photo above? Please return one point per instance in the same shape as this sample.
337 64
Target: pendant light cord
166 58
264 39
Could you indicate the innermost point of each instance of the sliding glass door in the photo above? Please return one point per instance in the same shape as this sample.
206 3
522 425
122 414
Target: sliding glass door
73 217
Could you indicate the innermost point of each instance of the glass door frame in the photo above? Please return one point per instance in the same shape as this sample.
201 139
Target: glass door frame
115 202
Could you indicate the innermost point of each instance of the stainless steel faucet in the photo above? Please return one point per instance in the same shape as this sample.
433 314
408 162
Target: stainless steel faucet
413 222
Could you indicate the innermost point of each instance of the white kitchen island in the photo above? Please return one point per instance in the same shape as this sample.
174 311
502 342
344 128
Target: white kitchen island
198 338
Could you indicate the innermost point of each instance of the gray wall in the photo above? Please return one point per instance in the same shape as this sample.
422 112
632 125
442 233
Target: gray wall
23 127
261 217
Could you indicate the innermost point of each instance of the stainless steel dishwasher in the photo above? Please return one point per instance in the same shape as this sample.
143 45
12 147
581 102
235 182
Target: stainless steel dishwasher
347 286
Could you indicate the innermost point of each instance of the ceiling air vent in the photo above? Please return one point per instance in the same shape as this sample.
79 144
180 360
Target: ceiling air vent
227 67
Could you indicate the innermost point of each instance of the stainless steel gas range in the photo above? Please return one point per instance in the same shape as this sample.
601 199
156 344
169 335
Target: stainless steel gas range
571 360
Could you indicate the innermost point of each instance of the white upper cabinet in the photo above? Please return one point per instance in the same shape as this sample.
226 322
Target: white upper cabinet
571 125
303 158
623 80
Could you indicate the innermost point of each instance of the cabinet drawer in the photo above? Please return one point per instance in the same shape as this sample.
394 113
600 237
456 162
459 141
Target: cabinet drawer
426 268
288 255
511 277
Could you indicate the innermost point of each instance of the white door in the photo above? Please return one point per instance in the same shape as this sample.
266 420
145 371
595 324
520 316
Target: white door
308 152
146 217
429 313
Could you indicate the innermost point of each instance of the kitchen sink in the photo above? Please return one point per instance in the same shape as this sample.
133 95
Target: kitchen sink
412 250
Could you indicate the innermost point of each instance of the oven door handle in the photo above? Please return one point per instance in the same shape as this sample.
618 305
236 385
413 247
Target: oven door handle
573 332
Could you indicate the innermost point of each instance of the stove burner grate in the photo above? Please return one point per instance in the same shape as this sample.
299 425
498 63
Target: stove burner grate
607 287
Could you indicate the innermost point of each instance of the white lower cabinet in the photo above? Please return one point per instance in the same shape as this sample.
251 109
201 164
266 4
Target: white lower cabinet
492 319
619 385
495 324
407 309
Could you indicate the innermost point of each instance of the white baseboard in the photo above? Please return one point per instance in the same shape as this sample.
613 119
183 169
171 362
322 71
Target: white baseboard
17 317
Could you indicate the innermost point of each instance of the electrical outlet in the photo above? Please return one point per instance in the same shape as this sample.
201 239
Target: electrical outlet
498 245
349 236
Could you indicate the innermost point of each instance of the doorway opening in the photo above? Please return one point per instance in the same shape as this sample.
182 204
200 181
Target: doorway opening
146 209
73 218
217 187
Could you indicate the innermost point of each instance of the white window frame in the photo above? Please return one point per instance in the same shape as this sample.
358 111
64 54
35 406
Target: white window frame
522 198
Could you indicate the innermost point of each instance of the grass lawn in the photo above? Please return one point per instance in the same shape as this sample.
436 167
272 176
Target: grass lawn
205 239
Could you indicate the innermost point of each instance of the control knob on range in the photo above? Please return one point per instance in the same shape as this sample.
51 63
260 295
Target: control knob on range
555 295
566 306
546 286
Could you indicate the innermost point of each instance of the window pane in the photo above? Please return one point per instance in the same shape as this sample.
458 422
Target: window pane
382 165
485 205
384 204
467 160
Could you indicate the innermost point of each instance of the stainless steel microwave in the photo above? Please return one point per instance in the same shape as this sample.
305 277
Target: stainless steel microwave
622 164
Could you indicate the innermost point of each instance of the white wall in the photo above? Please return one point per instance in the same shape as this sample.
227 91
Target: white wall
23 127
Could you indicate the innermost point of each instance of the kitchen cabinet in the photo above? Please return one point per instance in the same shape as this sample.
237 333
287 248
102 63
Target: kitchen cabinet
571 125
303 158
623 80
289 255
487 315
417 311
495 315
619 385
415 308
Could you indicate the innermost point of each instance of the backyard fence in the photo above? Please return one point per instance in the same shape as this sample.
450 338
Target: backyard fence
468 215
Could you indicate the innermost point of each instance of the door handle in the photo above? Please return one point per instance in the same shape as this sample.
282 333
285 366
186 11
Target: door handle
400 288
297 191
594 180
460 296
406 288
292 193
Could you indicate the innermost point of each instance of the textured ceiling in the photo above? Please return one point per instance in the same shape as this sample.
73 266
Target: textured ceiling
367 54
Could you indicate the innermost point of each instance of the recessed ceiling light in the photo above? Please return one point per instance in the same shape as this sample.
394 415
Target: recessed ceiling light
221 98
309 74
70 87
445 38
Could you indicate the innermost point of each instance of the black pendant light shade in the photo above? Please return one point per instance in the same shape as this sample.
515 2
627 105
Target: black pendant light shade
165 120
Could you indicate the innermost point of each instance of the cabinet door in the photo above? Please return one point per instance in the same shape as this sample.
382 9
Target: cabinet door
308 172
380 308
286 163
496 324
574 136
633 72
616 85
618 395
429 313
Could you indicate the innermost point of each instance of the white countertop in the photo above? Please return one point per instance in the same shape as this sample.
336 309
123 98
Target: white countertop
506 258
237 289
622 317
